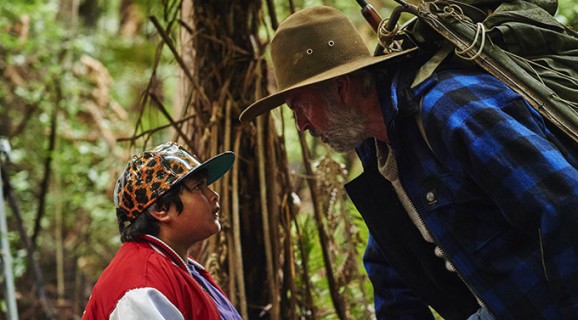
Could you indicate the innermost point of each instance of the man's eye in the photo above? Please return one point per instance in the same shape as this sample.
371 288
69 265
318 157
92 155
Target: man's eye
294 104
297 107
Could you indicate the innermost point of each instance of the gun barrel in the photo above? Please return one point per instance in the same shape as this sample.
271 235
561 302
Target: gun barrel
401 2
370 14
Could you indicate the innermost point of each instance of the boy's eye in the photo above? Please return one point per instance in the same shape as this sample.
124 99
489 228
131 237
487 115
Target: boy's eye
199 184
192 186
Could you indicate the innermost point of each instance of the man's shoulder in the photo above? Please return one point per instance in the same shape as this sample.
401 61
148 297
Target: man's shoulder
457 90
465 77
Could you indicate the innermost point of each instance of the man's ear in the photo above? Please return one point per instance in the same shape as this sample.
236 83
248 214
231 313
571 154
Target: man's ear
160 215
343 84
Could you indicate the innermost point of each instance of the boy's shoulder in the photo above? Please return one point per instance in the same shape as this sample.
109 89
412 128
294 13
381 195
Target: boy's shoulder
136 264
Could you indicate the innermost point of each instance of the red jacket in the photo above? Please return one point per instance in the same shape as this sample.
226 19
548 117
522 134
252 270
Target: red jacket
148 279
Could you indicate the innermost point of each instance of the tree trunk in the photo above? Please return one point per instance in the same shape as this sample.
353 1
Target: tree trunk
227 68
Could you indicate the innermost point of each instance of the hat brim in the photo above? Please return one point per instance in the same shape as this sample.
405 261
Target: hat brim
274 100
215 167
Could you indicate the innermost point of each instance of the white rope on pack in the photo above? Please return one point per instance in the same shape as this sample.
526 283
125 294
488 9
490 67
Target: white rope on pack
457 12
384 36
454 10
480 31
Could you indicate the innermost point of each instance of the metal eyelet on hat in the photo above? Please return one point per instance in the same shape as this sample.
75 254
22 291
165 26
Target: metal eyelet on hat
331 43
309 51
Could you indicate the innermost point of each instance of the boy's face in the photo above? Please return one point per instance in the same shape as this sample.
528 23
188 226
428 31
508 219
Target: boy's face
200 216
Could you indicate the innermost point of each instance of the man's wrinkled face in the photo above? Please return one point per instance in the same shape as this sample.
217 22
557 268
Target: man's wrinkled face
323 113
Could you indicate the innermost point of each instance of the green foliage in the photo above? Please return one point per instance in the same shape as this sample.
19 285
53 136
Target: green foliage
68 91
568 13
58 76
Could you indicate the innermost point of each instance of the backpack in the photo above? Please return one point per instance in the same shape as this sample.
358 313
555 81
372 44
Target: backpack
519 42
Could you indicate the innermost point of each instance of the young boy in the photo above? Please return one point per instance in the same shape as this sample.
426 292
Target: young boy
163 205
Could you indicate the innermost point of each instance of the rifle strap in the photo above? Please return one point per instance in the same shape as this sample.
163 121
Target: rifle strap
420 125
428 68
425 72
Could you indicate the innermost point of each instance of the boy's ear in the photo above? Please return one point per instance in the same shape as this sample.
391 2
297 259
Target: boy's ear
160 215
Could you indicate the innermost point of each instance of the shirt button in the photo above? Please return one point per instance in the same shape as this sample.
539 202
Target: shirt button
430 196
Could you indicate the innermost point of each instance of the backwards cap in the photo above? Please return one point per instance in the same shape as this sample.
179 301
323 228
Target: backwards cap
152 173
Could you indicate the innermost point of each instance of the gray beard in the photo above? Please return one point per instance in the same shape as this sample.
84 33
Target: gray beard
346 128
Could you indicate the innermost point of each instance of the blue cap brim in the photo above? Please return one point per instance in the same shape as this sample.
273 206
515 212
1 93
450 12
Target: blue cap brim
217 166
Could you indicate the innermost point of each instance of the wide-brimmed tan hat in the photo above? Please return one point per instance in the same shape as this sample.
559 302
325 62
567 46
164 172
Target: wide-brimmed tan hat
310 46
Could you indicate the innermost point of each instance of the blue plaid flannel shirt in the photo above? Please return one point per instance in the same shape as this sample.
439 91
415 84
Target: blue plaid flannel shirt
499 194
